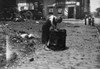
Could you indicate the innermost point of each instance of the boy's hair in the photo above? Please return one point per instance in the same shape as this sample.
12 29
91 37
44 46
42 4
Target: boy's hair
59 19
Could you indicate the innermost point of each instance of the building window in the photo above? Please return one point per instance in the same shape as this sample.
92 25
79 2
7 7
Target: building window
23 6
50 10
59 10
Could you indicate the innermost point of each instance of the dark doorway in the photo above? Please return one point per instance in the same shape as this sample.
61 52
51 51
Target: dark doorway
70 12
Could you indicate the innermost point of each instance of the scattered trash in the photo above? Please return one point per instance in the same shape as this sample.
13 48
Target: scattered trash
31 35
32 59
24 35
6 24
25 42
37 21
16 39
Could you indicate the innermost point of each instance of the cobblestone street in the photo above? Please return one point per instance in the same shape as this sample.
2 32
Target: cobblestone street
83 52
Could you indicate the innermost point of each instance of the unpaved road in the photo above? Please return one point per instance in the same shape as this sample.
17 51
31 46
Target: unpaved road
83 52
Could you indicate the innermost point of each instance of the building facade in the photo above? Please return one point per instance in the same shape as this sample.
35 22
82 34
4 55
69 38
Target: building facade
30 5
67 8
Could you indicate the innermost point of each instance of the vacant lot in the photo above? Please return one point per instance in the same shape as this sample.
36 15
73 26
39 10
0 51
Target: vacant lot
83 52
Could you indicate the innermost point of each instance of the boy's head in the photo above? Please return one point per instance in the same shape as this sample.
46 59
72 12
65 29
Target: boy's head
55 19
59 19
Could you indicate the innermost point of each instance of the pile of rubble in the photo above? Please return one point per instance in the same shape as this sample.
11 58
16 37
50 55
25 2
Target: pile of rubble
25 42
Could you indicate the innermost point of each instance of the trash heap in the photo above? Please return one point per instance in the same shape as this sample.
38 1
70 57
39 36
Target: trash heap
24 42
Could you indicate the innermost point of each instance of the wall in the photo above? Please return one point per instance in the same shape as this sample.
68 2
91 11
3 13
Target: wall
87 6
67 12
46 3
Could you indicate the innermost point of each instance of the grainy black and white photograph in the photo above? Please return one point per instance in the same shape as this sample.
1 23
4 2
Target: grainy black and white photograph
49 34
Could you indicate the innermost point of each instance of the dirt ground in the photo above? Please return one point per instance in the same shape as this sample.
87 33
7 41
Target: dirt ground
2 47
83 52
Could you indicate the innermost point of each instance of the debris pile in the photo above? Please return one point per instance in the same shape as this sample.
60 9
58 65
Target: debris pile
25 42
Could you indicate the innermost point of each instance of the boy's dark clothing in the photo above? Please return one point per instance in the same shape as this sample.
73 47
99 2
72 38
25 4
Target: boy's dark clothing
49 24
46 31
